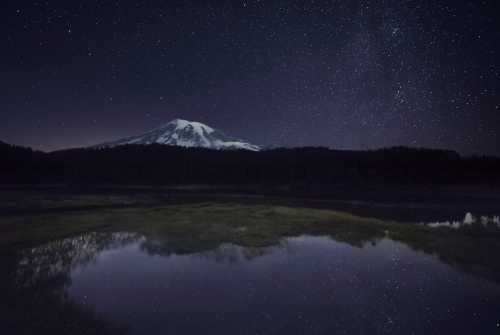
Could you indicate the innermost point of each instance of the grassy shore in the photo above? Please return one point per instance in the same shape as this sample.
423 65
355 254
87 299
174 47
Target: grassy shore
204 226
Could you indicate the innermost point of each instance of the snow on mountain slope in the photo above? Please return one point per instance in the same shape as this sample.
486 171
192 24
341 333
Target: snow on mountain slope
187 134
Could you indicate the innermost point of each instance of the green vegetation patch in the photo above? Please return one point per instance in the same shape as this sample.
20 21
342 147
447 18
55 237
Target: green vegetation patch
203 226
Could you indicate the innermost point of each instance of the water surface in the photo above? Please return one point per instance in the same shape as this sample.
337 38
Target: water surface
130 283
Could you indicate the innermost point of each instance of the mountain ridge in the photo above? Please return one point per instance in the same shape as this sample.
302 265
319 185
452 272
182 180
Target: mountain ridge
184 133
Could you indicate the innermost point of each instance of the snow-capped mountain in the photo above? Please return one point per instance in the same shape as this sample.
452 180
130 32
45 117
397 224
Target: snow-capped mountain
187 134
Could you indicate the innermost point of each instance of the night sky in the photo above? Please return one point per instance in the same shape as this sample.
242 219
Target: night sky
342 74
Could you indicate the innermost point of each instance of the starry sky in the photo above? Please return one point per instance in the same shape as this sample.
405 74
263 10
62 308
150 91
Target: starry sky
341 74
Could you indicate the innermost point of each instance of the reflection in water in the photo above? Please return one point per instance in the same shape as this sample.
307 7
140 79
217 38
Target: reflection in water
35 287
160 245
469 220
54 260
125 282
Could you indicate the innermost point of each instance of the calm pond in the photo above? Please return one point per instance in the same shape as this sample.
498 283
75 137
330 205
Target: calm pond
128 283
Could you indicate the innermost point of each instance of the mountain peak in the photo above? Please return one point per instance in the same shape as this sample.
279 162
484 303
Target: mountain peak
183 124
187 134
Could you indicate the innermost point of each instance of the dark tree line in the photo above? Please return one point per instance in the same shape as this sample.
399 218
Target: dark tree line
163 165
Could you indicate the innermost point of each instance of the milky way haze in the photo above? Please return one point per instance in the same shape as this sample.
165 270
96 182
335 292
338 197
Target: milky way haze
343 74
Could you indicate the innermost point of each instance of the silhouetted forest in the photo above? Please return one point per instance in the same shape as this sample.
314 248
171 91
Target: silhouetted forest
298 167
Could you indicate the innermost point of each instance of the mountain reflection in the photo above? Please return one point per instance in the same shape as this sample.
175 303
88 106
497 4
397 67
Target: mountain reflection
217 251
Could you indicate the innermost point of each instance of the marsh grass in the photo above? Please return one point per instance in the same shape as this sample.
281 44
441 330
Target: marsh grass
204 226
